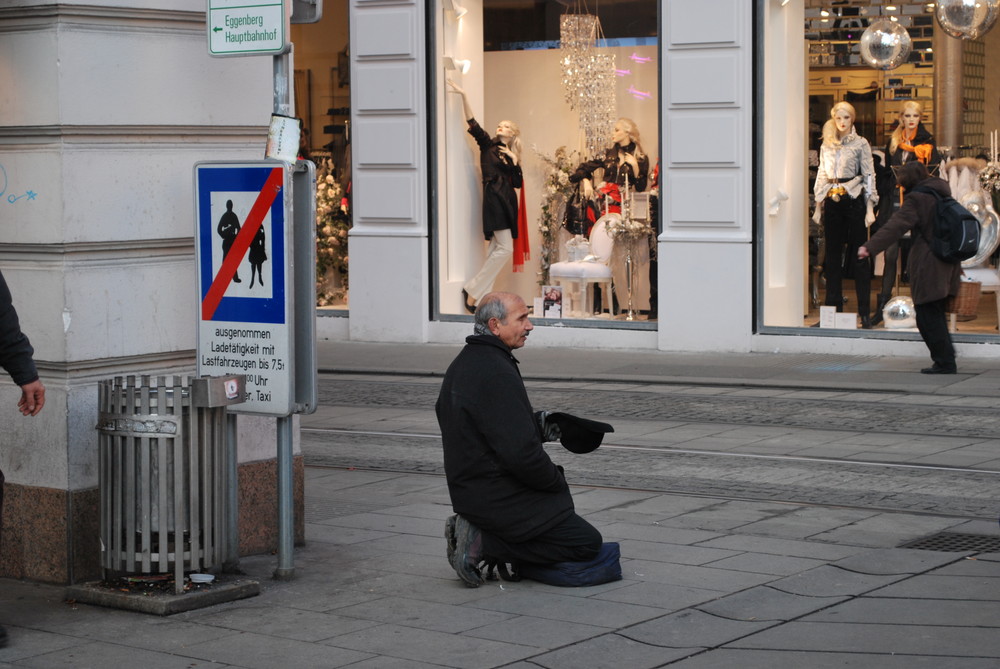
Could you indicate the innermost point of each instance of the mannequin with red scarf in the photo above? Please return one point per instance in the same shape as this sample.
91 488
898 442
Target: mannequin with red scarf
504 221
909 141
622 162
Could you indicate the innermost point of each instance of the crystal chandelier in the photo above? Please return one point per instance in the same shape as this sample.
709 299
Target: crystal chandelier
588 78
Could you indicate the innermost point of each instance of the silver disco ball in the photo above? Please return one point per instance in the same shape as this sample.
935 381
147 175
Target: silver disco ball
899 313
967 19
885 45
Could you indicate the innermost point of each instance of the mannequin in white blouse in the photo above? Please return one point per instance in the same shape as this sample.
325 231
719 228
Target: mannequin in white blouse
845 202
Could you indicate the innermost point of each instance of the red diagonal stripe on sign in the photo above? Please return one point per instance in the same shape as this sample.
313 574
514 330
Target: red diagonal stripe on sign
241 244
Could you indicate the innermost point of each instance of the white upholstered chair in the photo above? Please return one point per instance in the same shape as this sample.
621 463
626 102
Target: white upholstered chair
578 277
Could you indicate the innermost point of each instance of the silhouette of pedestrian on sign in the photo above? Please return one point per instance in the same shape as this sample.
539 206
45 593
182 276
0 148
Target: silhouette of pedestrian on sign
229 227
257 256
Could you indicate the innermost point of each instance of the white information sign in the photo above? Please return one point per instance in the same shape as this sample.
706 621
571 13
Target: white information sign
243 241
247 27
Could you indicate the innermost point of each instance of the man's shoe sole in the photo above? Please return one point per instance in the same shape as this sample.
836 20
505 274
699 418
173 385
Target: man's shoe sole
460 558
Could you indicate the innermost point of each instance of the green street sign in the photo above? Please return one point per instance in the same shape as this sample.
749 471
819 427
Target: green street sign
247 27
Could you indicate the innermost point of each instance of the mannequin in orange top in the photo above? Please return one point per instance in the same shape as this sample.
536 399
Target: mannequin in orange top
909 141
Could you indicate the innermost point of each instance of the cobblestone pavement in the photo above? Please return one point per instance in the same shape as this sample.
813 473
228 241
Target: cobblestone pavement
873 412
664 424
959 493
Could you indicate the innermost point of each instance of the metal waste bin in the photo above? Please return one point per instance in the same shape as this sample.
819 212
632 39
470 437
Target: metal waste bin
163 473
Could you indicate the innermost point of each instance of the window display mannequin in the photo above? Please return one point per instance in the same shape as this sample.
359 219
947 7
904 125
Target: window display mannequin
845 202
909 141
625 159
499 159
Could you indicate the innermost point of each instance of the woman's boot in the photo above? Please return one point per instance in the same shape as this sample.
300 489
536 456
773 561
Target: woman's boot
879 305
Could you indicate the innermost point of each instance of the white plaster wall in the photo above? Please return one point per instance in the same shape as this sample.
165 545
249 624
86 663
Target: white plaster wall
389 255
114 103
784 105
706 278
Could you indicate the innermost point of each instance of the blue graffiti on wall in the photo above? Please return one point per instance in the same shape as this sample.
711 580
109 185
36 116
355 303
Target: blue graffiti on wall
13 197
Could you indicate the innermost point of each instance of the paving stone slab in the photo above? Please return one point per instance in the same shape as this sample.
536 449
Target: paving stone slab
723 580
896 561
829 581
792 547
260 651
104 654
952 613
932 586
438 590
660 595
767 659
388 522
610 651
654 531
693 628
724 517
24 642
972 565
878 638
885 530
155 633
759 563
665 506
287 623
806 522
537 632
422 614
437 648
673 553
766 603
585 610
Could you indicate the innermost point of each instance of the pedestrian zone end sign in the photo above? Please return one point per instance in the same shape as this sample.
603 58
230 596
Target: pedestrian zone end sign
242 242
247 27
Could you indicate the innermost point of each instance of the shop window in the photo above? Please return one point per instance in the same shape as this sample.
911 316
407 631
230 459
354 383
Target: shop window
580 89
937 86
322 101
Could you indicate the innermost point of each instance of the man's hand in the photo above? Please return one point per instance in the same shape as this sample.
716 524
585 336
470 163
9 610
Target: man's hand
32 398
549 429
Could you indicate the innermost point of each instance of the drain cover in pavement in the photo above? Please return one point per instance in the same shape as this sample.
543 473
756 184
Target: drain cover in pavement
956 542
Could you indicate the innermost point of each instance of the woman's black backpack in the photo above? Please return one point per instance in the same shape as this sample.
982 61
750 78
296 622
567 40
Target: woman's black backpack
956 230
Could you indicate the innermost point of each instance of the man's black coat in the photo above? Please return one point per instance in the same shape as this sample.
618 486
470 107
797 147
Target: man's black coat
499 476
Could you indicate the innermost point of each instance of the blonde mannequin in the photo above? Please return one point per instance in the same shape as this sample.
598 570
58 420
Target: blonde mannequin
845 200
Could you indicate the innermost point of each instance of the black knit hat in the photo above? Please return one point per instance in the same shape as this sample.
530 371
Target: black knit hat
579 435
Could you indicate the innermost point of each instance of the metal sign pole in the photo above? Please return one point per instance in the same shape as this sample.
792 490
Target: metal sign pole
286 519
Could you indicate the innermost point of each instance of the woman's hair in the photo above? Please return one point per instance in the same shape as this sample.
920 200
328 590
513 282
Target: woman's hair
897 134
910 174
830 135
515 142
632 130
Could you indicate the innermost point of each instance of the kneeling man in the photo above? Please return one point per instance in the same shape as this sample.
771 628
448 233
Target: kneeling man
512 502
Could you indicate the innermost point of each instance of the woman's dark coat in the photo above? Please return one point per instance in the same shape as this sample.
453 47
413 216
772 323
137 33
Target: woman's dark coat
615 172
500 178
499 476
931 279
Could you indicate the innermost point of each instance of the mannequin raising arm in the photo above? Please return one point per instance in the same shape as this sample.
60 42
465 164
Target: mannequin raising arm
465 100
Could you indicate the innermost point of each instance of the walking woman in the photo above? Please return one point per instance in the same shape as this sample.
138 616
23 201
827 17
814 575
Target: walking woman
932 280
